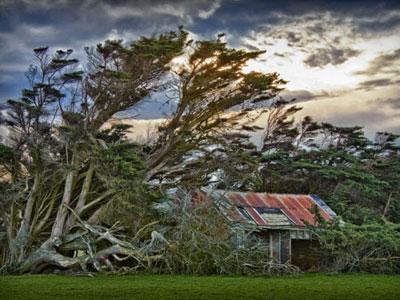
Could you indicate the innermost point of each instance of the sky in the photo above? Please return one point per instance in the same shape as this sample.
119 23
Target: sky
341 58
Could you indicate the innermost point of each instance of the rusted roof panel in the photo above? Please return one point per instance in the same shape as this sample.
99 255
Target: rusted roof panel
296 208
256 216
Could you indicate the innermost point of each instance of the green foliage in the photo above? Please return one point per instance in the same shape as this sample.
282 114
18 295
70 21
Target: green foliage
363 248
358 180
72 76
120 77
210 87
165 47
7 154
120 165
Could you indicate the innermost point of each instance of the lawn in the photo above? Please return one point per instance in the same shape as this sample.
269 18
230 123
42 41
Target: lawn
310 286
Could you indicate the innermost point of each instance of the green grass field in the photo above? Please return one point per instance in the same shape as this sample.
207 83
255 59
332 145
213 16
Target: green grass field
310 286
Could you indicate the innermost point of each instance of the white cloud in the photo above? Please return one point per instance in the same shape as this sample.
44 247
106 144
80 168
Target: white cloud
205 14
36 31
183 10
293 42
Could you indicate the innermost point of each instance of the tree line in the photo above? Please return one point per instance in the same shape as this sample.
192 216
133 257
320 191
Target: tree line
79 195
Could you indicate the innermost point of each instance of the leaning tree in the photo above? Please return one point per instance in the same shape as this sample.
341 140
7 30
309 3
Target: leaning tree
67 169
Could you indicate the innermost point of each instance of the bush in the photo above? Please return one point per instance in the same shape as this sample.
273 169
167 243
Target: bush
373 248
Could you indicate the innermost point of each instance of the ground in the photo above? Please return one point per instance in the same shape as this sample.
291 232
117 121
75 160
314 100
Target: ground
310 286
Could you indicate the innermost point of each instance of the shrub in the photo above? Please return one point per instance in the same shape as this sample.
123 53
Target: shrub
371 248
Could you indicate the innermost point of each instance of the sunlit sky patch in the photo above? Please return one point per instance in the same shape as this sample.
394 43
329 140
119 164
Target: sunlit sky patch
341 58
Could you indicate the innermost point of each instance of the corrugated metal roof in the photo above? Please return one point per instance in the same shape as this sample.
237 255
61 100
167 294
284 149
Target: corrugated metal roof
269 209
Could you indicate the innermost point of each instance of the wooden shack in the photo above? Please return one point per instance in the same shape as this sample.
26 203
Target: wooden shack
282 220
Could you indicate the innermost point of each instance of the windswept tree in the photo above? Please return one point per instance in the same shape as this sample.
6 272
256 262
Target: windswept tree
215 98
67 169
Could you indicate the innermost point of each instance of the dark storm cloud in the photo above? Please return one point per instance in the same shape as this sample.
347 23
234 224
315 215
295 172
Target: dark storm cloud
241 16
304 95
381 22
27 24
293 37
332 55
88 20
323 38
376 83
388 63
298 95
325 31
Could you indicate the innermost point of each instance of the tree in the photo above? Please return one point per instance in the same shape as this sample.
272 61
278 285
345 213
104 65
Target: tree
214 96
357 178
57 155
75 169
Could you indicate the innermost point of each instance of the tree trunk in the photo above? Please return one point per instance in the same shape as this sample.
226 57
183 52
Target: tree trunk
22 238
59 222
83 195
11 227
